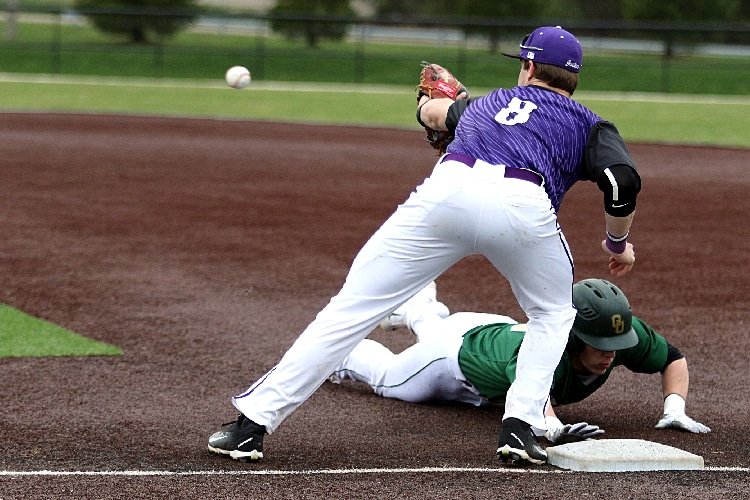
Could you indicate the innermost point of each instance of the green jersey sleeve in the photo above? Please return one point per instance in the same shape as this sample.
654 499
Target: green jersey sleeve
488 358
650 353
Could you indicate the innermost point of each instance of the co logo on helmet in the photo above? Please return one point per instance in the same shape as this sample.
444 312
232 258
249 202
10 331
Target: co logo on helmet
618 325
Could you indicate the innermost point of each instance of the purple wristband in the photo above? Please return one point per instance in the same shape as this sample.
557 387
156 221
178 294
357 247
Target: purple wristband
616 245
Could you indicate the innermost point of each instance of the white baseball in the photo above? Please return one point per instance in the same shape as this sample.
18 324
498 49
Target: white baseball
238 77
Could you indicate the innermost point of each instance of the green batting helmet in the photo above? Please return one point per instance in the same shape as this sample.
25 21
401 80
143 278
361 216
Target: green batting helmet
603 316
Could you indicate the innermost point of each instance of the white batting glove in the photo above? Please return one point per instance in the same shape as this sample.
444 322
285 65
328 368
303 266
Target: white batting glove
675 418
559 433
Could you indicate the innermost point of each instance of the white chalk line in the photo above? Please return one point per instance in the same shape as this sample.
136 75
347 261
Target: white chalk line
272 472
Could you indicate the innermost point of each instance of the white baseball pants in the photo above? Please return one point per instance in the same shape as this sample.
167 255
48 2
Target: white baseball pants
426 371
458 211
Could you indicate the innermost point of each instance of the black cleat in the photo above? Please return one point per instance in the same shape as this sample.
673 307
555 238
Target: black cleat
242 441
518 445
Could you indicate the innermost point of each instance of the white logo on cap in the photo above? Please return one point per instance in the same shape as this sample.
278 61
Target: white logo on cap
529 55
573 64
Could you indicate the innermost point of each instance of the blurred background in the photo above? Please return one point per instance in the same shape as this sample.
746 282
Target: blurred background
668 46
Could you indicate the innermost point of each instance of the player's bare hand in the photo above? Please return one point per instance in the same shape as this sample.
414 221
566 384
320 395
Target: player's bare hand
620 263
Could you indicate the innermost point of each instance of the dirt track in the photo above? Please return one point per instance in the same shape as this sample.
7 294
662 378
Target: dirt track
203 248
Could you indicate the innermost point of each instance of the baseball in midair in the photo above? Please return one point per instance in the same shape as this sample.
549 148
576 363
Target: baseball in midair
238 77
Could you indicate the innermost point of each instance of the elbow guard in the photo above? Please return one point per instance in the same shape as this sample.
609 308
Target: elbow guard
620 185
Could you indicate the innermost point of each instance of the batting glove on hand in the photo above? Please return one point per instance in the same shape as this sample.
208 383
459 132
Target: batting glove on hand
675 418
683 423
559 433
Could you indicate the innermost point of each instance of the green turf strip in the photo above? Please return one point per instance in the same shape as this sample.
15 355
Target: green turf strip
22 335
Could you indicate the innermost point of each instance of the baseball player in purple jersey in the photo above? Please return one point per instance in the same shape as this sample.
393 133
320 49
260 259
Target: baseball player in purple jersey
495 193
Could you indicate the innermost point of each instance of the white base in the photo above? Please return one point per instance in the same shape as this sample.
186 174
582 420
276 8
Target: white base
621 455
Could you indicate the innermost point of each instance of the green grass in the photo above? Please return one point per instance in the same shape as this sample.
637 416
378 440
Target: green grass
640 117
262 102
703 122
22 335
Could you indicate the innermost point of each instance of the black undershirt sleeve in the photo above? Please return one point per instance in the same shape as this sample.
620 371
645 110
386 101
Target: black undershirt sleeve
673 354
455 112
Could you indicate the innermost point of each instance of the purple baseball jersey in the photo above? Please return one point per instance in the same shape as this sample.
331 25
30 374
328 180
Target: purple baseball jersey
528 127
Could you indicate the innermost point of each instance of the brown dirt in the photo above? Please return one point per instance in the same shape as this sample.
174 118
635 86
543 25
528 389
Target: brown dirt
203 247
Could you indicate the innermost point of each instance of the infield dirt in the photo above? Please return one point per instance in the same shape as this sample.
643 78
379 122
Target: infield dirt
204 247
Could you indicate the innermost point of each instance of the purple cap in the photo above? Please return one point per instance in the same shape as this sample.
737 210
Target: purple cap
551 45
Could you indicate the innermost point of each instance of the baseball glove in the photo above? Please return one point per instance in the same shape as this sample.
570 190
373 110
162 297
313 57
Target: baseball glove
437 82
438 139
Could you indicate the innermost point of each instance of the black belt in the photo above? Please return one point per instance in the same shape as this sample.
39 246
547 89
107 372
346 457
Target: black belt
510 172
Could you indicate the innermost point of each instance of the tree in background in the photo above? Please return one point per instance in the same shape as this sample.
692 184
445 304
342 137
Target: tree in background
481 15
682 10
484 16
566 10
311 30
697 11
592 9
493 11
139 20
398 8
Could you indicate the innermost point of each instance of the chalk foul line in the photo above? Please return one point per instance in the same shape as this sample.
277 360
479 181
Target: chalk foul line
273 472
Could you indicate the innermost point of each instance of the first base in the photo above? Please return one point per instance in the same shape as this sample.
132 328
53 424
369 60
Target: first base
621 455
